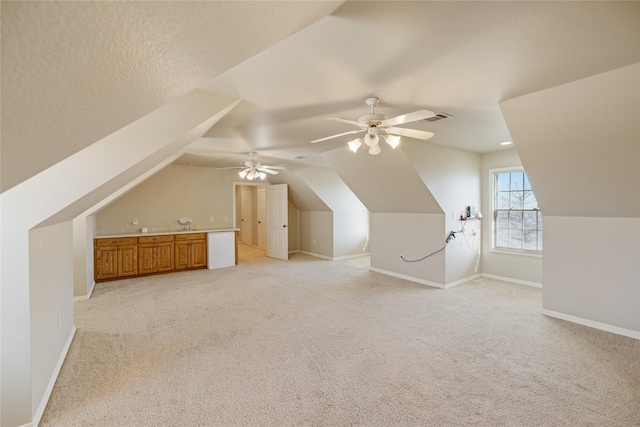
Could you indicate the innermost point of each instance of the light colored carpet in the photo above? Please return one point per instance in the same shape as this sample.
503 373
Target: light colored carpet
315 342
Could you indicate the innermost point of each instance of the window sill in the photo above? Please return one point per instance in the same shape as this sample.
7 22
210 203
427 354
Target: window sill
516 252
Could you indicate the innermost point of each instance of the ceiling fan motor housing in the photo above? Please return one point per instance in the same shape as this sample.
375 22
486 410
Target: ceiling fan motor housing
374 119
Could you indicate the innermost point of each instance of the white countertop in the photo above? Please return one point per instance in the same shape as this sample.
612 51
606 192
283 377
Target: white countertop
165 232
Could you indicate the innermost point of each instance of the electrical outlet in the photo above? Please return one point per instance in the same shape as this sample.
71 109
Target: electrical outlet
135 221
211 219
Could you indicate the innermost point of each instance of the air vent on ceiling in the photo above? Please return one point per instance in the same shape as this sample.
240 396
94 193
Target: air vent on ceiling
438 117
299 157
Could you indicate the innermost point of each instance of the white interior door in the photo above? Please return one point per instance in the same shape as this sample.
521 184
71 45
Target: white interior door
245 215
262 218
277 222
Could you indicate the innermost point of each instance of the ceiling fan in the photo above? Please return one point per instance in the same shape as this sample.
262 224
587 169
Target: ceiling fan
252 169
373 123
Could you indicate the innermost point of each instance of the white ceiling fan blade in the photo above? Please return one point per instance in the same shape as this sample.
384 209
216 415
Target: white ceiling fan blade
232 167
336 136
410 133
265 170
349 122
271 167
410 117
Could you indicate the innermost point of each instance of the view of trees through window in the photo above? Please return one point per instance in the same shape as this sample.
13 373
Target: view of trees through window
517 216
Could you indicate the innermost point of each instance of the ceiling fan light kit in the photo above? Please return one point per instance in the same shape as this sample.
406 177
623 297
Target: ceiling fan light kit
393 140
252 169
371 123
355 144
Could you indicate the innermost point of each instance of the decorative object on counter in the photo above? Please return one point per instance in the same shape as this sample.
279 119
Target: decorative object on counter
186 223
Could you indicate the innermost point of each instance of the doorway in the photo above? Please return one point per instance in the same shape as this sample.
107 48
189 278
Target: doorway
261 215
250 219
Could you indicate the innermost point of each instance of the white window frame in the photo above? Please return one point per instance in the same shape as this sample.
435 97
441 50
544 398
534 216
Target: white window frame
512 251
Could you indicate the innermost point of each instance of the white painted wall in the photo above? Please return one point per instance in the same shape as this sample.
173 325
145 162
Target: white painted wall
51 301
413 236
317 233
350 233
64 191
579 143
387 182
293 226
350 218
520 268
83 281
594 273
453 177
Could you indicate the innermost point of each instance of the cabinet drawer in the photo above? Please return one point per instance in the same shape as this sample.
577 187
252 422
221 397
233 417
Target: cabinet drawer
191 236
153 239
116 242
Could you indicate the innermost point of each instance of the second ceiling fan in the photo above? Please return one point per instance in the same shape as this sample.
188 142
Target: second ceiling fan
373 123
253 169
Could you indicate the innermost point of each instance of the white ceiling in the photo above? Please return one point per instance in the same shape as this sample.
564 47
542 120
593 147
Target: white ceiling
461 58
75 72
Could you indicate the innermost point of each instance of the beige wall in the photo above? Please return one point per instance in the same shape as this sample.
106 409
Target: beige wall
174 192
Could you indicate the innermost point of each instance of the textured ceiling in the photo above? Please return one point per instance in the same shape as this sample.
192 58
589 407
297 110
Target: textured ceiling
74 72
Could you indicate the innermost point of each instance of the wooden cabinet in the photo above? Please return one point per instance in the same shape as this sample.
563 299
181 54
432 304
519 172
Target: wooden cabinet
155 254
190 251
115 258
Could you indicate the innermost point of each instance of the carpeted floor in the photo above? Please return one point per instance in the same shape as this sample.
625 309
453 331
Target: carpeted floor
329 343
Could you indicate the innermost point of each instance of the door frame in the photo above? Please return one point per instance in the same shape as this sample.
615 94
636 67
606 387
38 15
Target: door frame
235 189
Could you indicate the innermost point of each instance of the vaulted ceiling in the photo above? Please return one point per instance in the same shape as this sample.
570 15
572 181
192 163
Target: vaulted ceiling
74 72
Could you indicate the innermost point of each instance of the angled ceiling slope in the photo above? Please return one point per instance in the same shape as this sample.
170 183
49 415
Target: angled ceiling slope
75 72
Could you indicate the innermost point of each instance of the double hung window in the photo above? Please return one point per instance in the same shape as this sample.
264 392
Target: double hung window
517 220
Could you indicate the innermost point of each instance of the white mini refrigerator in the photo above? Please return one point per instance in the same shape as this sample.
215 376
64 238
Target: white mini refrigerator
221 249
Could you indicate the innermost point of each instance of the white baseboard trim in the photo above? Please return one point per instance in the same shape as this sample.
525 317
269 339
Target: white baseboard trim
592 324
461 281
409 278
340 258
516 281
316 255
47 393
85 297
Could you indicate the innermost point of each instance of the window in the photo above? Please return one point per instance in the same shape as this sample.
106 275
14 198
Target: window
517 220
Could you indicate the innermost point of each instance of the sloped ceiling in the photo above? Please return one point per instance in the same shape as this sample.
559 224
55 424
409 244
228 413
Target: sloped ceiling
75 72
383 183
461 58
592 127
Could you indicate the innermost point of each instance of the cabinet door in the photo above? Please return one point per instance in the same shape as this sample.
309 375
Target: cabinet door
182 252
127 260
198 253
164 256
106 263
147 258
